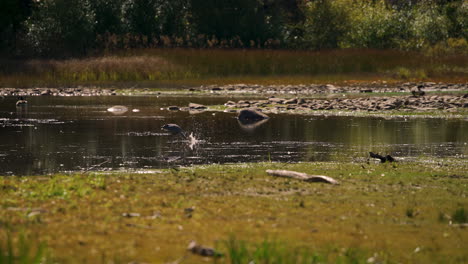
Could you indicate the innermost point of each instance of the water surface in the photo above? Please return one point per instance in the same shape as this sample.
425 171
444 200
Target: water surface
56 134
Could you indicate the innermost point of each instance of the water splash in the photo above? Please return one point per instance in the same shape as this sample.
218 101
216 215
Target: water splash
192 141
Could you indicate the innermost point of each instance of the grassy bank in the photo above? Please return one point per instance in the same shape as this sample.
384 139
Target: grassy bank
177 67
380 213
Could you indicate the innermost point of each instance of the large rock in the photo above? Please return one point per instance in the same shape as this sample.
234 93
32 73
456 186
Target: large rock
251 116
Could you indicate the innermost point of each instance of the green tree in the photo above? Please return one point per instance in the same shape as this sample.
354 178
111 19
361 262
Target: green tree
12 15
62 27
325 24
139 17
250 20
108 15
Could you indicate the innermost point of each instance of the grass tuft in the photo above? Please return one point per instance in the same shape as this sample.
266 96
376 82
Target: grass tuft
22 251
460 216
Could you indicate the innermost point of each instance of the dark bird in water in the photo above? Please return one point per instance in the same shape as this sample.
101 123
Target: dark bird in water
174 129
382 158
21 101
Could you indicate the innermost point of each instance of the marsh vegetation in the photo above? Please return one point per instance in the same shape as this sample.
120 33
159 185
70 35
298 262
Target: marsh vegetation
246 214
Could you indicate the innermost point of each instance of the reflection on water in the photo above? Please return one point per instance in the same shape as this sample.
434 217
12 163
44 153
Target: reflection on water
79 134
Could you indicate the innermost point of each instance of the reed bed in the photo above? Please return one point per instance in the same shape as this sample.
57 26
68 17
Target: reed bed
179 66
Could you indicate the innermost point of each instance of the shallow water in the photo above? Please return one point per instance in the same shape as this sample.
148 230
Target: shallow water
54 134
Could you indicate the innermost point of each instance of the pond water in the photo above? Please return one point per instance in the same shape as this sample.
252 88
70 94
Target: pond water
57 134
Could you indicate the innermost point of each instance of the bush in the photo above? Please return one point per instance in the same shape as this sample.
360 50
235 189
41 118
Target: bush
326 23
429 25
374 25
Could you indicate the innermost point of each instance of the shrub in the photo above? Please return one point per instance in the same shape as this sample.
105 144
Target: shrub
326 23
429 25
374 25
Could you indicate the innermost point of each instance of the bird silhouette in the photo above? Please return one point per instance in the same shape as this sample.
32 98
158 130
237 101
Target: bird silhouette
418 92
174 129
382 158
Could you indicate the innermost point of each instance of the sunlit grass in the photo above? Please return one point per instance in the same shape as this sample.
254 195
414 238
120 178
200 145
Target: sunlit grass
21 250
102 217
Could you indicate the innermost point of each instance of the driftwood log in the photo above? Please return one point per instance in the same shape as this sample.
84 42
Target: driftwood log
302 176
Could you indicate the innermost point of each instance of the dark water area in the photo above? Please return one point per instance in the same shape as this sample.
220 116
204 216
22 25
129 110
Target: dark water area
61 134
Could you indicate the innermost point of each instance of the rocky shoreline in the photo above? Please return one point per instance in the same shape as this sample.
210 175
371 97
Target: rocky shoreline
449 103
302 89
312 89
79 91
426 97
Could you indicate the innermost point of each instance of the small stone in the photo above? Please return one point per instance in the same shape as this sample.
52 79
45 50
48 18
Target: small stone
173 108
197 106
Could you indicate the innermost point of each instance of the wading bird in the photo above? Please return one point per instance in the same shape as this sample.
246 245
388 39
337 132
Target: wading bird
382 158
174 129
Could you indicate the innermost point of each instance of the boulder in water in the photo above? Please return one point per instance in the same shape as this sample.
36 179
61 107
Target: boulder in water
251 116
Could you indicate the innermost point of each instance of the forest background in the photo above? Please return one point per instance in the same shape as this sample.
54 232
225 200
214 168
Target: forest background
70 42
82 27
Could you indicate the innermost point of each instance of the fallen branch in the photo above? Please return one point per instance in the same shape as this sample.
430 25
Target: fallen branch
302 176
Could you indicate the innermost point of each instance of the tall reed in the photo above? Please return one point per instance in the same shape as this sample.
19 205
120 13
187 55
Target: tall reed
153 66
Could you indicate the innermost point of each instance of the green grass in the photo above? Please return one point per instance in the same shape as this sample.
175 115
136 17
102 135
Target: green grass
460 216
274 252
22 251
175 67
124 217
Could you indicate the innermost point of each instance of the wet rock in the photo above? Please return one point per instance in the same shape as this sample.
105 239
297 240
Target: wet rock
251 115
230 104
173 108
275 100
117 109
131 215
302 176
291 101
46 92
331 88
202 250
197 106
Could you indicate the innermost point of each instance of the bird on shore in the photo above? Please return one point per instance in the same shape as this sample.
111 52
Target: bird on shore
417 91
21 101
174 129
382 158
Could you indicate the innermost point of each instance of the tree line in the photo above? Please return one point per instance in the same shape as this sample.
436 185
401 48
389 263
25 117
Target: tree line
83 27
